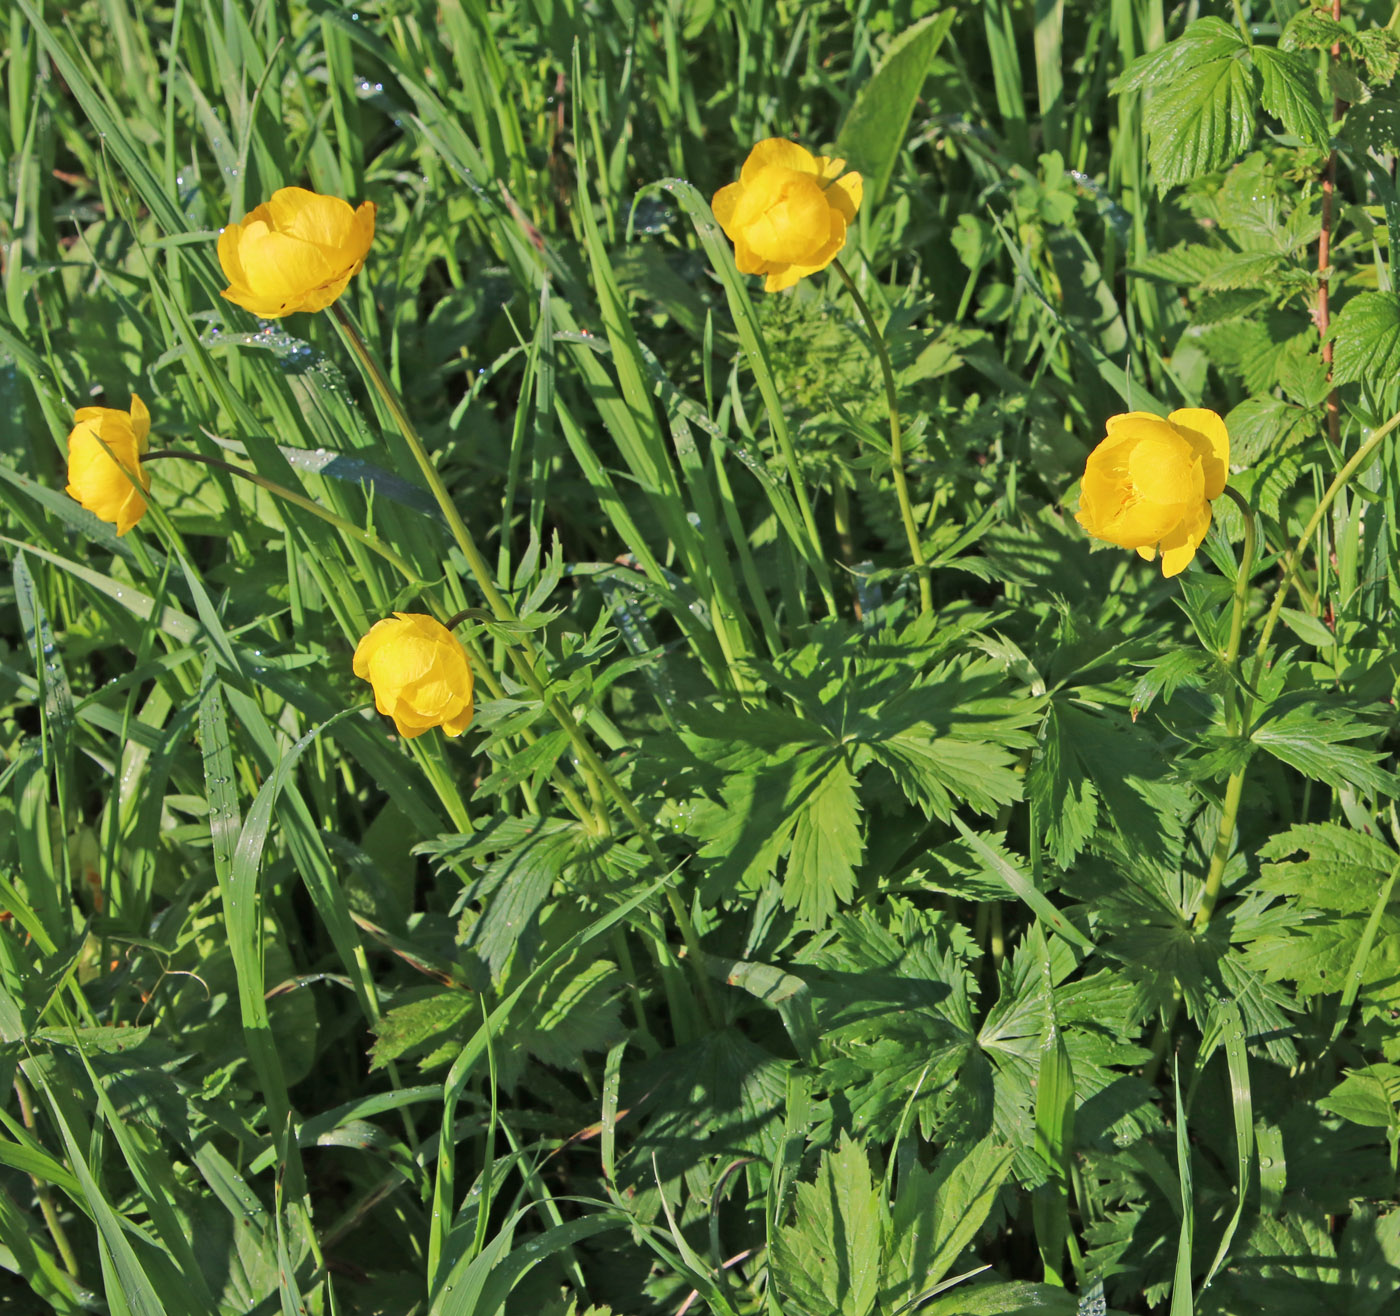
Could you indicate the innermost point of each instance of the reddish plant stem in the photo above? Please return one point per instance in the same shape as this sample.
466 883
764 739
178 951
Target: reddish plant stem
1324 255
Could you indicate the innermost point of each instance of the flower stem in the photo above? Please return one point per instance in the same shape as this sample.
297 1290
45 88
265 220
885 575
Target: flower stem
1236 717
1241 598
1290 567
523 651
1234 787
41 1189
901 484
298 500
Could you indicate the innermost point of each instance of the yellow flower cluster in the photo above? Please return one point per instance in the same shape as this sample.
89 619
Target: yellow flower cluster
297 252
1148 485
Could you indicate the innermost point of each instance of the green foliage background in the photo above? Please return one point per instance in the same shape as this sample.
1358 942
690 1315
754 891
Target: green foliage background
889 978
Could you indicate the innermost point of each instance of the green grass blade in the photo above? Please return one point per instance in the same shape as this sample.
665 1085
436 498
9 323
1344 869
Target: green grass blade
1230 1024
1183 1303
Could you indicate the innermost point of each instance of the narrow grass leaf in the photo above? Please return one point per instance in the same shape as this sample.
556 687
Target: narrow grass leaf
1021 887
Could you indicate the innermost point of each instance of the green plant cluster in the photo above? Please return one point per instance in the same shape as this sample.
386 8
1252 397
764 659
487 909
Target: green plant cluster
804 933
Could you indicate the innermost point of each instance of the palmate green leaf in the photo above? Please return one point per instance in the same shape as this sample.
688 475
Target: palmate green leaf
1335 928
1318 951
1369 1096
935 773
1200 101
827 1262
574 1012
1315 739
1175 670
1342 869
706 1103
826 845
936 1215
890 988
412 1026
1130 780
1365 338
1261 425
1062 792
805 803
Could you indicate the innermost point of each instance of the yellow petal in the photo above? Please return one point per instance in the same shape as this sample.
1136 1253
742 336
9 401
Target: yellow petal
784 216
1176 560
140 423
777 151
311 217
723 204
1180 545
282 270
370 644
362 231
317 299
407 730
228 256
1161 467
1216 456
1129 418
107 480
1147 552
828 251
745 261
784 276
845 195
454 726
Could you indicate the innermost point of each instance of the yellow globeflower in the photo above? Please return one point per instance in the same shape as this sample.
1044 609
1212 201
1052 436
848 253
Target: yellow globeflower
98 478
1150 483
295 253
787 214
420 674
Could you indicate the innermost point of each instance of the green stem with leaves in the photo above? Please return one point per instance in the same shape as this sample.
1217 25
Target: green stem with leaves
526 657
1236 714
901 483
1240 723
1295 558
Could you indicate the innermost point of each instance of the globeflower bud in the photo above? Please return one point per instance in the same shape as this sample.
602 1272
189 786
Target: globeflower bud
101 478
787 214
1150 483
420 674
294 253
